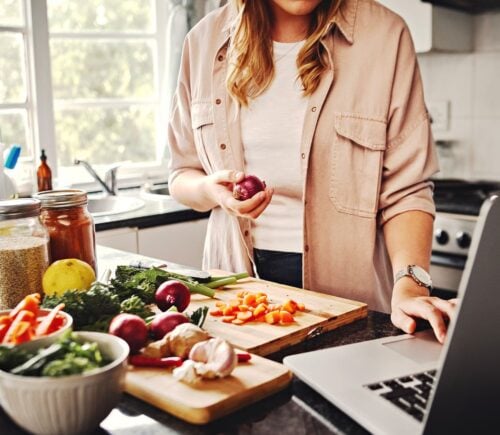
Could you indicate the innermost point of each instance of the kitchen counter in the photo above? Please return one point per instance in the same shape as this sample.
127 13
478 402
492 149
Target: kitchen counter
297 409
157 210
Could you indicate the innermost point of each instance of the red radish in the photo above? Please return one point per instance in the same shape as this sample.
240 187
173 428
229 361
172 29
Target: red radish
163 323
172 293
248 187
132 329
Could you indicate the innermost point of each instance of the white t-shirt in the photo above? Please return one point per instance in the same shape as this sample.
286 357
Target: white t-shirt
271 131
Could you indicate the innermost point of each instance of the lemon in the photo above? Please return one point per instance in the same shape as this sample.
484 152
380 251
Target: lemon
67 274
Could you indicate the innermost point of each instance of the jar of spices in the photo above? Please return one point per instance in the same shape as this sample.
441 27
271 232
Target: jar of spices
24 254
70 225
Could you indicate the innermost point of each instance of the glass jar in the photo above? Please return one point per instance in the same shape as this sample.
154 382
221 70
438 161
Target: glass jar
70 225
24 252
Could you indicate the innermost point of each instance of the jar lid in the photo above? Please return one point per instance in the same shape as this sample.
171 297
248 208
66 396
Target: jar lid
62 198
19 208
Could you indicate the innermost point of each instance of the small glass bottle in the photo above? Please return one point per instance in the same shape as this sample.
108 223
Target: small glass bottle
24 252
70 225
44 174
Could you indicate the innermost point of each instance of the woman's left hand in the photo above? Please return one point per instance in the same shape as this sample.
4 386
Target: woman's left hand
409 302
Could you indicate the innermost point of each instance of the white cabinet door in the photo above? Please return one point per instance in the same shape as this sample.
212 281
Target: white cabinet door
434 27
124 239
179 243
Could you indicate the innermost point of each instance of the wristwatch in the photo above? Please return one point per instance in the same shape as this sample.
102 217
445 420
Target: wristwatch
419 275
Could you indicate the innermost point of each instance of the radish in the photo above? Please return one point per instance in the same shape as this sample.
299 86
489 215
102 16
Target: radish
172 293
163 323
132 329
248 187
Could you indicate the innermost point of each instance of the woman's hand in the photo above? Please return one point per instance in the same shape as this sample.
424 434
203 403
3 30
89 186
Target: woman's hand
218 187
410 302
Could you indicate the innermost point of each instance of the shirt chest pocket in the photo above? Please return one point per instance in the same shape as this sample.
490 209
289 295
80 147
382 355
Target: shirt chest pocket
357 158
202 123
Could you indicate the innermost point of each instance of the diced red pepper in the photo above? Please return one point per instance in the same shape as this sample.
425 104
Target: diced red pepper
3 331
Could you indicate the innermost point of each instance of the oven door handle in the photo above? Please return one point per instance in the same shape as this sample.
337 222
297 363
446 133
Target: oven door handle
449 260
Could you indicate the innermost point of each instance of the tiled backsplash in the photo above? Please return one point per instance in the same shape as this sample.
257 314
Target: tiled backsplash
470 82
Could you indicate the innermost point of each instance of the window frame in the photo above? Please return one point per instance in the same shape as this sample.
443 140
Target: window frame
41 123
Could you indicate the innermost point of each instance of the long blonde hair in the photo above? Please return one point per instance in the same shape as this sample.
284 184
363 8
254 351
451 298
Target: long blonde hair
251 66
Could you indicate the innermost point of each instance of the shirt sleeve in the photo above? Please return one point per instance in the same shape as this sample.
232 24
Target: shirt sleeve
410 158
183 155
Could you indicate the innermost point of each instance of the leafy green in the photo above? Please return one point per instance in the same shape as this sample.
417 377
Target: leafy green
198 316
70 355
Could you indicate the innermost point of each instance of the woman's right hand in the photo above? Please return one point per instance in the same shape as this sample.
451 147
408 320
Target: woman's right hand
218 187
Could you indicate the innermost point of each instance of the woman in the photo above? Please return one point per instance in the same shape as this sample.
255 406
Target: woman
323 100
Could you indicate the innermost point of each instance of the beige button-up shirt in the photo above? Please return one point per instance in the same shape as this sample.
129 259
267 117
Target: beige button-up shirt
367 151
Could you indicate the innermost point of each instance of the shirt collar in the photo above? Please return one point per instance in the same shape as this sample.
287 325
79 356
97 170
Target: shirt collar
345 19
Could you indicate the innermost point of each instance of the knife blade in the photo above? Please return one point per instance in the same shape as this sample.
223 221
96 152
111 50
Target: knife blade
199 275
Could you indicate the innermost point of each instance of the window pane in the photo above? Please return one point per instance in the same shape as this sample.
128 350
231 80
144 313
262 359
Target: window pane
105 136
100 15
12 71
13 129
11 13
102 69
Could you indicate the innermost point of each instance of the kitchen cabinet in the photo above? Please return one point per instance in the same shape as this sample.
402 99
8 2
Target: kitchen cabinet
180 243
435 28
124 239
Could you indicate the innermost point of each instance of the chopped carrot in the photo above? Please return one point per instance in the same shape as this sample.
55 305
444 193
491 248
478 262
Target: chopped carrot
234 303
301 306
244 315
44 325
241 293
249 299
259 309
261 318
29 303
243 307
289 306
228 319
227 311
261 300
273 317
220 304
237 321
286 317
216 312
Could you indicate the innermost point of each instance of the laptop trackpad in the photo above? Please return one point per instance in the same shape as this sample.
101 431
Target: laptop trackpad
420 348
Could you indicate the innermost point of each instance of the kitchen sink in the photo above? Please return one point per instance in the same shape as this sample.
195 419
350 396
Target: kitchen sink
157 191
109 205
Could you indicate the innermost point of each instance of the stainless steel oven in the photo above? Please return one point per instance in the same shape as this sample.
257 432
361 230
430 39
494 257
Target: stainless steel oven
458 203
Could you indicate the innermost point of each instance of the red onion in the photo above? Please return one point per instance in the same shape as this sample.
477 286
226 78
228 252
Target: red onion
248 187
132 329
172 293
163 323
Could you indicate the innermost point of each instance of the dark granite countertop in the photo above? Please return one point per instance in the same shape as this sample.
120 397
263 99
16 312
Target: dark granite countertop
157 210
296 410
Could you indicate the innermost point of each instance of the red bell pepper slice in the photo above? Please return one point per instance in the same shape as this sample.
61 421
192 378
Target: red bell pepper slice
14 328
29 303
45 325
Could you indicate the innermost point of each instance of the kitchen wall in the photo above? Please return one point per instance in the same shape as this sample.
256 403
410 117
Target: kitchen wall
469 85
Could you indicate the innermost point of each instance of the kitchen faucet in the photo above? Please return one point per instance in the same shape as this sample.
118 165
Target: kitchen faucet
109 183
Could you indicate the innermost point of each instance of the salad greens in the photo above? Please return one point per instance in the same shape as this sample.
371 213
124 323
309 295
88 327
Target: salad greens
68 356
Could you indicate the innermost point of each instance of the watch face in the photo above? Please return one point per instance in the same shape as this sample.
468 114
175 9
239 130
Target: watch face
421 275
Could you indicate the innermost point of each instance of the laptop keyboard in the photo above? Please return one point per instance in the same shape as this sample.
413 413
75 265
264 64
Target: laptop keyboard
409 393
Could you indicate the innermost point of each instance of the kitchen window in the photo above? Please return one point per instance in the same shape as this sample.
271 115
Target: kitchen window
85 80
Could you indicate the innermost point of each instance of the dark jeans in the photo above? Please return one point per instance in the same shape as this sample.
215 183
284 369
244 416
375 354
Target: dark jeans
280 267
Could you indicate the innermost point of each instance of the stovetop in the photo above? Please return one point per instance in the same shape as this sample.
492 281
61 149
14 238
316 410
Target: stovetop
461 196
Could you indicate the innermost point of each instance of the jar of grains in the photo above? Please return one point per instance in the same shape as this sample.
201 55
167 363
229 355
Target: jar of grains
70 225
23 250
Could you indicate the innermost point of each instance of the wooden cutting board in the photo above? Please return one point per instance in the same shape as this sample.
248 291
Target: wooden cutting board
211 399
323 313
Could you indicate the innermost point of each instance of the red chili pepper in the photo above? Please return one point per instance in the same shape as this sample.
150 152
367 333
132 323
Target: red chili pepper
146 361
243 356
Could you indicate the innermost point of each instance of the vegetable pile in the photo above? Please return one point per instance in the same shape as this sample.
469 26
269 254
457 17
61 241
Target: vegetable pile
25 323
132 291
68 356
256 307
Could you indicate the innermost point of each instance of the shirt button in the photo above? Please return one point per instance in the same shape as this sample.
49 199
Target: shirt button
218 101
313 109
303 155
220 58
222 146
306 248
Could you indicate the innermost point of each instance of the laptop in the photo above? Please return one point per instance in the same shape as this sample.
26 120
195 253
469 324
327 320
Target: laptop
410 384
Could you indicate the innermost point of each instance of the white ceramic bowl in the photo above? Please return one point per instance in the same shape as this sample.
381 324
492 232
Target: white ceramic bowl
69 404
47 339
